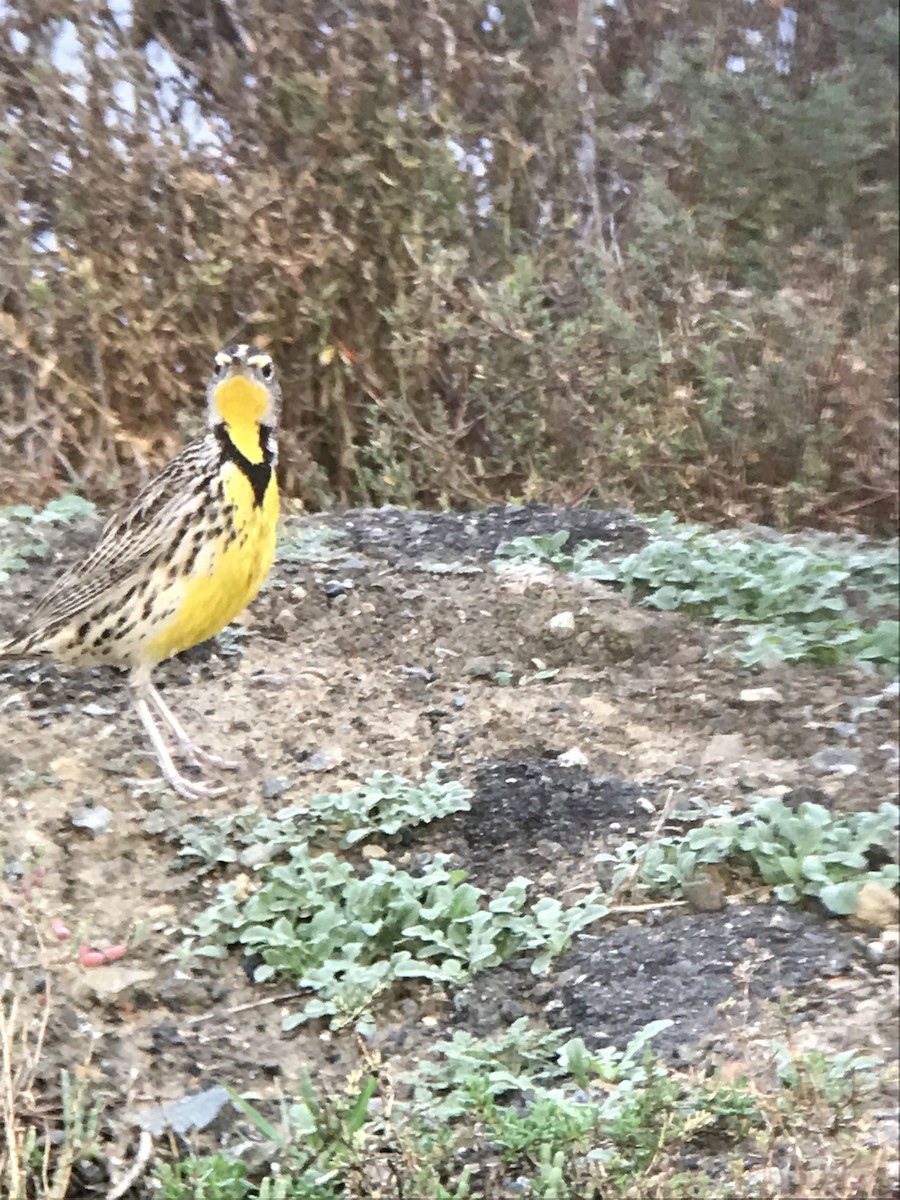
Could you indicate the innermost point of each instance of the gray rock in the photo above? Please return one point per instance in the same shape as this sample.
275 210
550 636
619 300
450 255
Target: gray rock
481 667
761 695
562 624
274 785
835 760
189 1114
94 818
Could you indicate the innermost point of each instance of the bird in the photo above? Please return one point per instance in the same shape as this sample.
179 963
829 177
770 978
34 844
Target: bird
176 564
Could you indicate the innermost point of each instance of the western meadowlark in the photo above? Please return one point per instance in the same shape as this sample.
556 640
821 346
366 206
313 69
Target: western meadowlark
177 564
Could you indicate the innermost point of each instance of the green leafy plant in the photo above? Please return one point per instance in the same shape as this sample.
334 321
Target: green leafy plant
317 543
384 804
553 1116
50 1159
61 511
347 935
20 526
205 1177
571 1112
807 852
836 1080
387 803
792 600
520 1059
550 549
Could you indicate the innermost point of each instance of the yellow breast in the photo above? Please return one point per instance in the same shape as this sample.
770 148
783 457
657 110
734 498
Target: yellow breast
228 570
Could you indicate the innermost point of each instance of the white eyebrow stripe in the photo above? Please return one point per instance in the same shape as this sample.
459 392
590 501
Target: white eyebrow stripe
222 359
259 359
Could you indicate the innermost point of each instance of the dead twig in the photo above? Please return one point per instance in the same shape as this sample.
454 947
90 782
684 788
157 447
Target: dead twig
137 1168
230 1012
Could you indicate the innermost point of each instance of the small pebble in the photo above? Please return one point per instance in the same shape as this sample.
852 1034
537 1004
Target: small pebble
274 785
373 850
834 760
763 1182
844 729
562 625
95 819
704 894
761 695
324 760
420 673
875 952
481 667
573 758
337 587
877 906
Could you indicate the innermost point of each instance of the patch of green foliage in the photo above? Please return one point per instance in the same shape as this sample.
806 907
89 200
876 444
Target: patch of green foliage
317 543
63 511
217 1177
837 1080
791 600
204 1177
551 549
313 1140
807 852
384 804
20 526
387 803
51 1158
347 934
557 1118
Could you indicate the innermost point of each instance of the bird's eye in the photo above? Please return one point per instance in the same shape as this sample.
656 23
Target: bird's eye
267 370
219 367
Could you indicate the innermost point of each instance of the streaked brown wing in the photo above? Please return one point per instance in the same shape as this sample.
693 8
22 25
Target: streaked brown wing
143 531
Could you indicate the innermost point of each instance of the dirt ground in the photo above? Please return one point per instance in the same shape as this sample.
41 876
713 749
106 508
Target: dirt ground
408 625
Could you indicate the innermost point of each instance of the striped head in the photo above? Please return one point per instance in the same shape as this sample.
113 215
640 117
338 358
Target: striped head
243 389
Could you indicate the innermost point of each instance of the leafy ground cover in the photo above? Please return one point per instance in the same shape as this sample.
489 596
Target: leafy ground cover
790 599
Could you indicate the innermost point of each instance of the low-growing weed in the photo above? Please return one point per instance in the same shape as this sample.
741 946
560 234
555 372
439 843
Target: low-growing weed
807 852
387 803
791 600
526 1108
468 1067
815 1079
62 511
346 935
20 525
205 1177
567 1113
550 549
317 543
384 804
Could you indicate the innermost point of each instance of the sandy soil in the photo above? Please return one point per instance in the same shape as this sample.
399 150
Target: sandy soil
408 624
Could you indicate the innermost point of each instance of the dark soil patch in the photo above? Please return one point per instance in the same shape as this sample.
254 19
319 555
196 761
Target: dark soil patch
410 539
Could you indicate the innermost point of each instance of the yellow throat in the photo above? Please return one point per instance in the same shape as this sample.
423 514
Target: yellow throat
240 400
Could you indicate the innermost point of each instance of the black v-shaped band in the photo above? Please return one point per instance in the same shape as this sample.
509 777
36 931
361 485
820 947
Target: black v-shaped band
258 474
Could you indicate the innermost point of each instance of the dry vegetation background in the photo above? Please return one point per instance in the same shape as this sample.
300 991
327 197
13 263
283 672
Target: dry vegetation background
550 250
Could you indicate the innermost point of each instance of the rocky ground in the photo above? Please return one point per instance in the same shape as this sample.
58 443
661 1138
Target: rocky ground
423 653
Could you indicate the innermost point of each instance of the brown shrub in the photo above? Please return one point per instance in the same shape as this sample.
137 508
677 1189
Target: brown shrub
497 256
